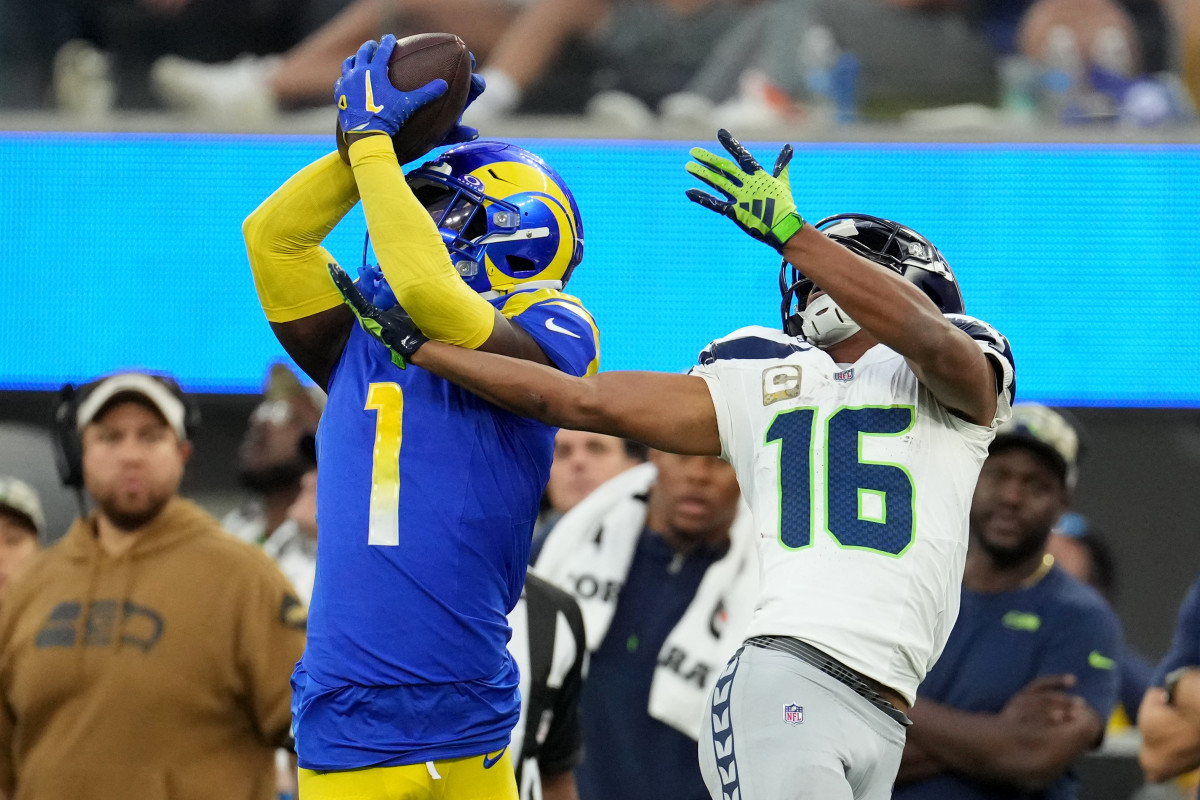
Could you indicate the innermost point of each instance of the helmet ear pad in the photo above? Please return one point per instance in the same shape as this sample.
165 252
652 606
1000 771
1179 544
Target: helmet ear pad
538 247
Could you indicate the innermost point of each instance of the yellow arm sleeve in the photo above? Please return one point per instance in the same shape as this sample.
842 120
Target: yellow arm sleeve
411 253
284 235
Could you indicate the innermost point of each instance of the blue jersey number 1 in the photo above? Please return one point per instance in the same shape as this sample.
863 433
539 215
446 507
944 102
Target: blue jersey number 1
868 505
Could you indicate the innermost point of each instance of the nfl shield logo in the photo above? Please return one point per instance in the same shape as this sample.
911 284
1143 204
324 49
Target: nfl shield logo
793 714
847 375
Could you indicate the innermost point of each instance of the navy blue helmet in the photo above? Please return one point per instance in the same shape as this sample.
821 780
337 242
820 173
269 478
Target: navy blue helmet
888 244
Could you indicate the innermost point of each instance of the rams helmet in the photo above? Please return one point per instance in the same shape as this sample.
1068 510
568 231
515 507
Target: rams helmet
506 217
887 243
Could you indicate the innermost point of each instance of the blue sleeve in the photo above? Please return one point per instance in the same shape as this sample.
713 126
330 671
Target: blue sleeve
1185 647
1088 647
565 332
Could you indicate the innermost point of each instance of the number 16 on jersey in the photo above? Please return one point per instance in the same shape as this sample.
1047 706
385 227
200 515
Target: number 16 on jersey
868 505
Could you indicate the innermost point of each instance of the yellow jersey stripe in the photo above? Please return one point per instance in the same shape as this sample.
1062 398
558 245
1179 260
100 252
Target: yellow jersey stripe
521 301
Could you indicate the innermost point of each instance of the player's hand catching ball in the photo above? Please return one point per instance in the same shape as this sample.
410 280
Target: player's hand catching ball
761 204
367 102
461 133
393 327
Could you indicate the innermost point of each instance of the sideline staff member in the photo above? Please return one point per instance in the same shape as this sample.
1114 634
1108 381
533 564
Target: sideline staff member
21 522
147 654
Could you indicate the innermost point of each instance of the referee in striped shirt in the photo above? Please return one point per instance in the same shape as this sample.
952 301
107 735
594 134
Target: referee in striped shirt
549 647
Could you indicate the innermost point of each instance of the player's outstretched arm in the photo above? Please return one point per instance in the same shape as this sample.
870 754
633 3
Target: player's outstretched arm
898 314
888 307
668 412
283 242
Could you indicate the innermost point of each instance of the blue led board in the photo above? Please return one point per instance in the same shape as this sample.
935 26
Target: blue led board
126 250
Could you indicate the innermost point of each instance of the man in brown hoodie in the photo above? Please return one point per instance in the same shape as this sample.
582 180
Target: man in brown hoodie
148 654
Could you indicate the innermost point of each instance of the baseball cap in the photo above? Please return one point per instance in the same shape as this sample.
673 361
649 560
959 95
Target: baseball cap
19 497
1046 432
161 393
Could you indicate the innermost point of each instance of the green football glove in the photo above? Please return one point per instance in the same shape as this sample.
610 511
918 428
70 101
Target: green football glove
393 327
759 203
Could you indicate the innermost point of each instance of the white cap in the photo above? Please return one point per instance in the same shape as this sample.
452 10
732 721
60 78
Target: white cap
19 496
150 388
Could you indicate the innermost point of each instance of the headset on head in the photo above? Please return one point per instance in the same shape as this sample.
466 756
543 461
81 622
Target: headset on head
68 445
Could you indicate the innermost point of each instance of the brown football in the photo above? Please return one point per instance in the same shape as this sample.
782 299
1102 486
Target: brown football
416 61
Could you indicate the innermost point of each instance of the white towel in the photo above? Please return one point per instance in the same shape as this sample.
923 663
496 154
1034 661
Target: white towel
588 554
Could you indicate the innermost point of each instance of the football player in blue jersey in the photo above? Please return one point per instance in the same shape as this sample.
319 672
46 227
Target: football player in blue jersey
857 433
426 494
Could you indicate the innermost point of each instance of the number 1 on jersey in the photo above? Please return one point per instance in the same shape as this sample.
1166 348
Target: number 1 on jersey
383 525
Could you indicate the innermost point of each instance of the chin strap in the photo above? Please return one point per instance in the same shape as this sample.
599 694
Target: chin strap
823 322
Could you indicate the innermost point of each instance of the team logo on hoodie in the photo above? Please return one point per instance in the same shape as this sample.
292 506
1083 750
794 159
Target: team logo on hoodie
103 624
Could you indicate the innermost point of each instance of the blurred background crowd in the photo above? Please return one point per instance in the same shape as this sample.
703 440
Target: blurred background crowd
634 62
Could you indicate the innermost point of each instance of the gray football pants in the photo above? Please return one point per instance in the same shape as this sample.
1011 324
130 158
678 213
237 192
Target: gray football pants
780 729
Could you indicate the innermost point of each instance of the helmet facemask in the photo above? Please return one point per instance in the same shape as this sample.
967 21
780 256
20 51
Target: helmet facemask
461 211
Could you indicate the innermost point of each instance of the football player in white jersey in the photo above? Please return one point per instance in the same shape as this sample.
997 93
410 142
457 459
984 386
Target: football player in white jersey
857 434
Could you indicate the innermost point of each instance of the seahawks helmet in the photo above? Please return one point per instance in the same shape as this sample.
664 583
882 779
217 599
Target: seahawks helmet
506 217
887 243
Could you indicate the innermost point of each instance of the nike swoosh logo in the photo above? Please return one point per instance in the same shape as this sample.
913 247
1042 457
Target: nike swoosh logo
1098 661
490 761
551 324
374 109
1021 621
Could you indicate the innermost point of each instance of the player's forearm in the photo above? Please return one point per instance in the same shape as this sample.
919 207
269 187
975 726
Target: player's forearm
411 253
900 316
893 310
987 747
1170 739
283 240
665 411
522 387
